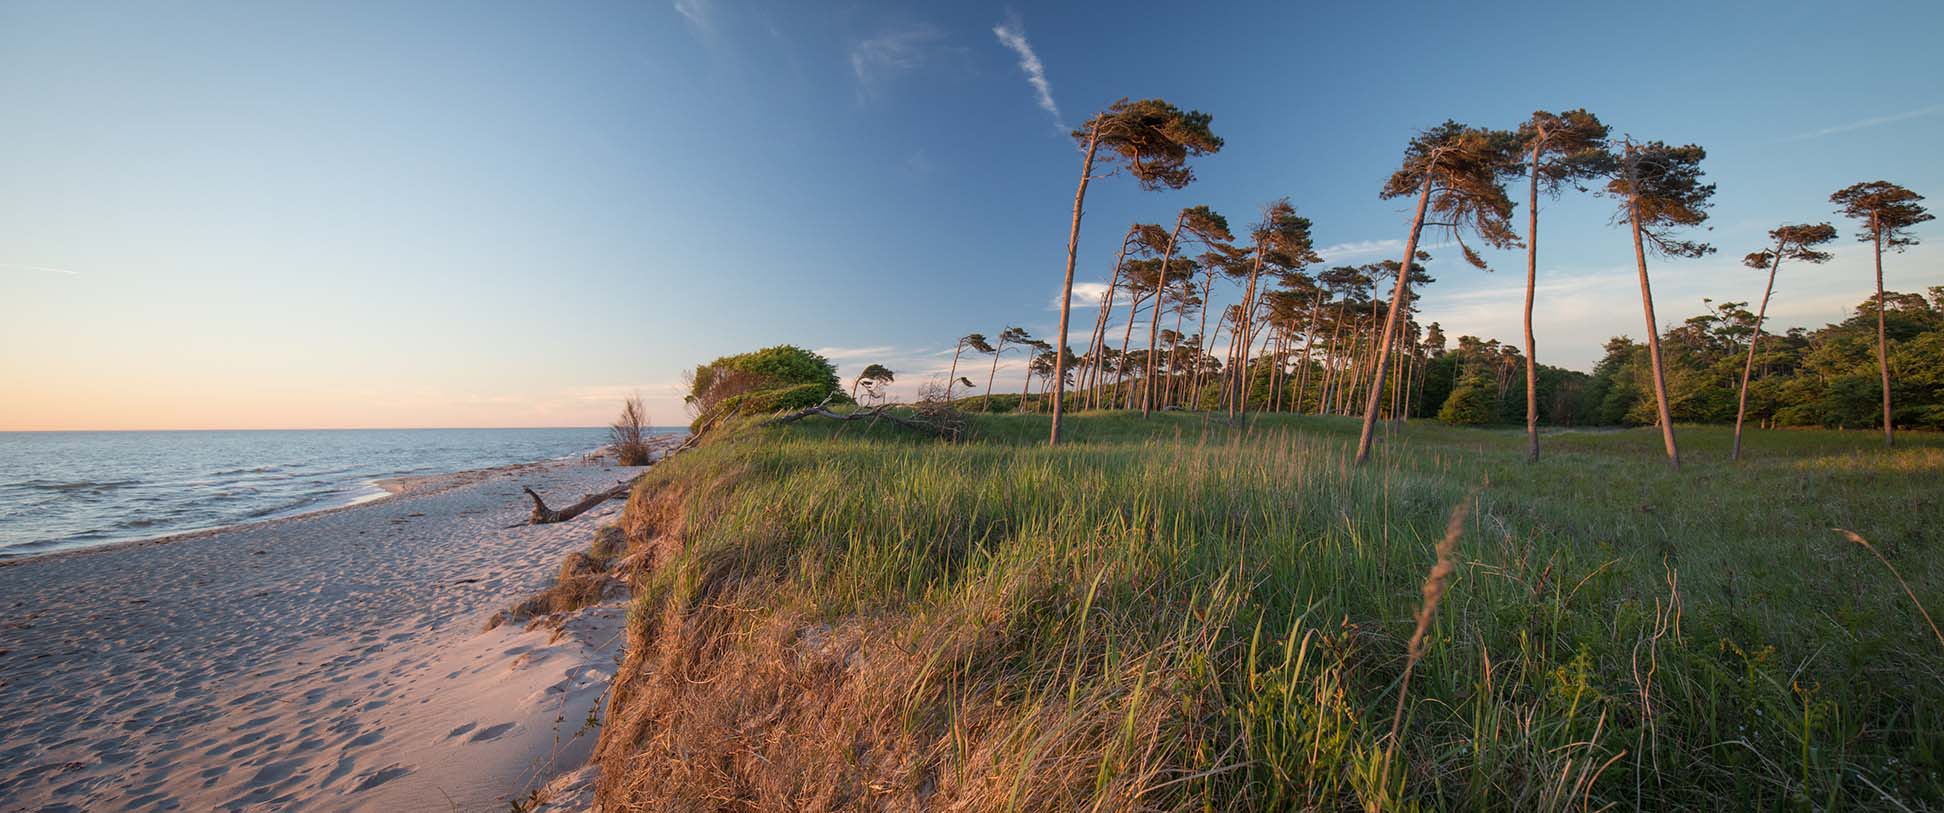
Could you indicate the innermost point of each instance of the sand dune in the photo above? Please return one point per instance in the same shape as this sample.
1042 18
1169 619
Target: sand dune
329 662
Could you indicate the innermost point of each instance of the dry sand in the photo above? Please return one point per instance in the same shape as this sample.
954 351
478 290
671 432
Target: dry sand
334 661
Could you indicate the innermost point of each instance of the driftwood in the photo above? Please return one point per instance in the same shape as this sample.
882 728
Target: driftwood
941 424
542 514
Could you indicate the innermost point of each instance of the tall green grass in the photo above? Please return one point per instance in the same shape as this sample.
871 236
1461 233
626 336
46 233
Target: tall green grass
1181 613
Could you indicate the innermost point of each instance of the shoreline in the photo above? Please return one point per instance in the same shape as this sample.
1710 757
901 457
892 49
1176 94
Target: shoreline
335 660
388 488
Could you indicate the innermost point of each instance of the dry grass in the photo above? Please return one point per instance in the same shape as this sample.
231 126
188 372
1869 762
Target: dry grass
1175 615
583 581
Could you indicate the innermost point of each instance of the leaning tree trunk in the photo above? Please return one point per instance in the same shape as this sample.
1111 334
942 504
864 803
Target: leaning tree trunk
1066 290
1309 340
953 377
1154 324
1883 341
1096 342
1174 353
1246 330
1653 343
1532 281
1202 344
1748 367
1124 390
1390 321
985 405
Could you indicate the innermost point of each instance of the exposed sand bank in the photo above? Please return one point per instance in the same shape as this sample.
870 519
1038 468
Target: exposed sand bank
334 661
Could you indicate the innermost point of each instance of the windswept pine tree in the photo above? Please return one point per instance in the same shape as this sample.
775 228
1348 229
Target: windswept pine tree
1283 242
1011 335
1153 140
1887 211
976 341
874 378
1562 150
1660 190
1454 170
1791 242
1205 225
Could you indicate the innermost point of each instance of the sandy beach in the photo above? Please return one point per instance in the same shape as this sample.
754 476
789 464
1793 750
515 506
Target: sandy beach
333 661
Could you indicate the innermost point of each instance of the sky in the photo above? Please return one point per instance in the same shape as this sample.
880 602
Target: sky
276 215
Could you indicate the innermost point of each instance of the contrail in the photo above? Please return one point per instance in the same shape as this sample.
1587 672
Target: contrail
40 268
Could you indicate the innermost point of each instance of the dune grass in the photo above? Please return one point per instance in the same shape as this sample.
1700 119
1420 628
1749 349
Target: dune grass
1180 613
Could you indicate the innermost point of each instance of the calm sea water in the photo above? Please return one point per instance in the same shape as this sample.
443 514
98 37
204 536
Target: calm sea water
62 490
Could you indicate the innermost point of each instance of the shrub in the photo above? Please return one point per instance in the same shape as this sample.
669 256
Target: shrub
768 380
626 434
1471 403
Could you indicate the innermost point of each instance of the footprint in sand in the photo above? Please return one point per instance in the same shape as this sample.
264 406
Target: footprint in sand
490 734
462 729
379 777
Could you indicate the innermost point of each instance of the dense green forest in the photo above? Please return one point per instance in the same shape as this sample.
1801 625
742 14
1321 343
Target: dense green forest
1802 378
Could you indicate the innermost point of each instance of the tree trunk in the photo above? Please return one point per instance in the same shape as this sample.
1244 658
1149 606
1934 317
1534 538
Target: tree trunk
1027 388
543 515
1095 345
1124 391
1390 320
1532 282
1245 329
1309 339
1748 367
1154 325
953 377
985 405
1174 353
1202 344
1066 291
1653 343
1883 341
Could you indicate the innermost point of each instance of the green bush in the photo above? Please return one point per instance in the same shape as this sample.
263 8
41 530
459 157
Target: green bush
1471 403
767 380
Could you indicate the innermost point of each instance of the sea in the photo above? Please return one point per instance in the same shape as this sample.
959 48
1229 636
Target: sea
67 490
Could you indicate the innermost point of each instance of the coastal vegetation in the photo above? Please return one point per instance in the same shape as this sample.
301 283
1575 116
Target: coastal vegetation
627 435
1239 575
760 382
1184 612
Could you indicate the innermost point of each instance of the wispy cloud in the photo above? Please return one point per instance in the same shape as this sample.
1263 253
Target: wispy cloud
1012 34
1085 295
1866 123
1358 248
881 57
39 268
697 12
855 353
1332 253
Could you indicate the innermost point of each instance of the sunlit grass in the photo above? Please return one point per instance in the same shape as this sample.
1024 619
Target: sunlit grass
1182 613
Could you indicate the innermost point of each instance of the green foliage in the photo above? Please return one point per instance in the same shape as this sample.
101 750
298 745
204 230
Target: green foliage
775 399
785 376
1823 378
1153 139
1471 403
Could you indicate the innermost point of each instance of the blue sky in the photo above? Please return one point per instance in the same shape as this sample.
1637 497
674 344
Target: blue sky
434 214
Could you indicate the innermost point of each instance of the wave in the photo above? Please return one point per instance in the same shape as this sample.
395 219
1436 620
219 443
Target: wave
83 485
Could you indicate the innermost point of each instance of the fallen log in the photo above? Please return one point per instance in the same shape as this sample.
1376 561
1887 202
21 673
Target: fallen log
543 515
948 430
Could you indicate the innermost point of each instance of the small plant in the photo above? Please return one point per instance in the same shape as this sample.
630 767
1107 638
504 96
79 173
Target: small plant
627 434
